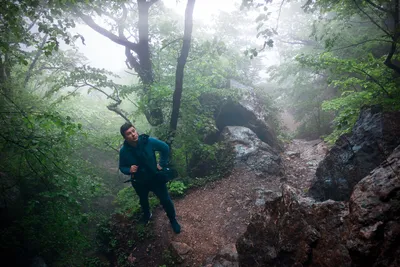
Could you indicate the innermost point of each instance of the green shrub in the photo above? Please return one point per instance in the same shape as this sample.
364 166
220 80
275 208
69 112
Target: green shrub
128 202
177 188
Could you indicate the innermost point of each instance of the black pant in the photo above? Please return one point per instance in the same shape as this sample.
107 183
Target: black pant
161 191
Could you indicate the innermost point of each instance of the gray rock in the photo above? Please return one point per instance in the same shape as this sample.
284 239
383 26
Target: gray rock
250 151
373 138
181 248
264 196
293 154
228 252
298 231
246 112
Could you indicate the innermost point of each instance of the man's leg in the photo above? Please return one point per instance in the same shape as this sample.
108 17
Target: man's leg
143 193
161 192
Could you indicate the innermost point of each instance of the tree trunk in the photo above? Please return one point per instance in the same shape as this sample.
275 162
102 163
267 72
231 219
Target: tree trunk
187 37
141 62
39 52
5 74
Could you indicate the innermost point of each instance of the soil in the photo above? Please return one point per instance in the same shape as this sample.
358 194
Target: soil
215 215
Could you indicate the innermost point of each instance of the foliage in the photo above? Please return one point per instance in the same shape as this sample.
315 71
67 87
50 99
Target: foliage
177 188
348 60
128 202
362 82
47 186
59 139
46 183
169 259
143 232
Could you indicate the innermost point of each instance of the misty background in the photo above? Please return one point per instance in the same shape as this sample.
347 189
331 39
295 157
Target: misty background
72 72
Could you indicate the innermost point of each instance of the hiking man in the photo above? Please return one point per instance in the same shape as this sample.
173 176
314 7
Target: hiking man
137 158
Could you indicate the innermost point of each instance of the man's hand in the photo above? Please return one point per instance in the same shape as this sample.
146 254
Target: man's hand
159 167
133 169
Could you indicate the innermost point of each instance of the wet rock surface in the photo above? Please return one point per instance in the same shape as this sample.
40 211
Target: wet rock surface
294 230
373 225
246 112
354 155
250 152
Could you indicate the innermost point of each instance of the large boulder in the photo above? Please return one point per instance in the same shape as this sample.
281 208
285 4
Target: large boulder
298 231
293 231
354 155
245 111
250 152
373 226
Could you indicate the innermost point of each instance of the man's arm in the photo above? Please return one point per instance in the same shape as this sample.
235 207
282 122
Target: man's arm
124 166
163 148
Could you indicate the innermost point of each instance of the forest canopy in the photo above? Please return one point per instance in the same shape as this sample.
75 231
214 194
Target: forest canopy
320 61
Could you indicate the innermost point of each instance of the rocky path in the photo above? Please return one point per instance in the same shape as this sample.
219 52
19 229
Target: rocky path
301 160
213 217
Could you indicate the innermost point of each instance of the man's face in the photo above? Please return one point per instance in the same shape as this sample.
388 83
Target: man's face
131 135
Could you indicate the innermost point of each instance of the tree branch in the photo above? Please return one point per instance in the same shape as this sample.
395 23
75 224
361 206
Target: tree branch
132 61
113 148
371 19
114 107
375 81
388 61
37 55
169 43
360 43
116 39
279 15
377 7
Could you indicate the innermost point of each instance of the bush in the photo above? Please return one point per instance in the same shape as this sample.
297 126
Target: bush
177 188
128 202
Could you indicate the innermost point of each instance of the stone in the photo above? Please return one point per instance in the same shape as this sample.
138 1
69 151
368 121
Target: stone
247 112
374 222
264 196
250 152
293 230
181 248
228 252
373 138
226 257
293 154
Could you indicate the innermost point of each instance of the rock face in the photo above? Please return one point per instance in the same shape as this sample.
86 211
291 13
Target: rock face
250 151
244 124
373 138
246 112
373 225
298 231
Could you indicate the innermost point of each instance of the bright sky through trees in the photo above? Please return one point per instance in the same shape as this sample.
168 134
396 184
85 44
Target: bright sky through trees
111 56
204 9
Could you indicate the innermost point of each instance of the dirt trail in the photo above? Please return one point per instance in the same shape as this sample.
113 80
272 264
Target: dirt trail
217 214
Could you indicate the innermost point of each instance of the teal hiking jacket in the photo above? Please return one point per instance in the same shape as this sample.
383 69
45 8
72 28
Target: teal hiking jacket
143 152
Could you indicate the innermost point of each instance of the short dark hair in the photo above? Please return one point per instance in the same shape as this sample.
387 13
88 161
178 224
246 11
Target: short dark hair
125 127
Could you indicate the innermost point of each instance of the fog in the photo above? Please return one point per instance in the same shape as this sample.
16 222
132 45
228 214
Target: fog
221 86
103 53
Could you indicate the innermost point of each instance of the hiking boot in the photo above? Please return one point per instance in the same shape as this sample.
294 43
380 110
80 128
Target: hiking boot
146 218
175 226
